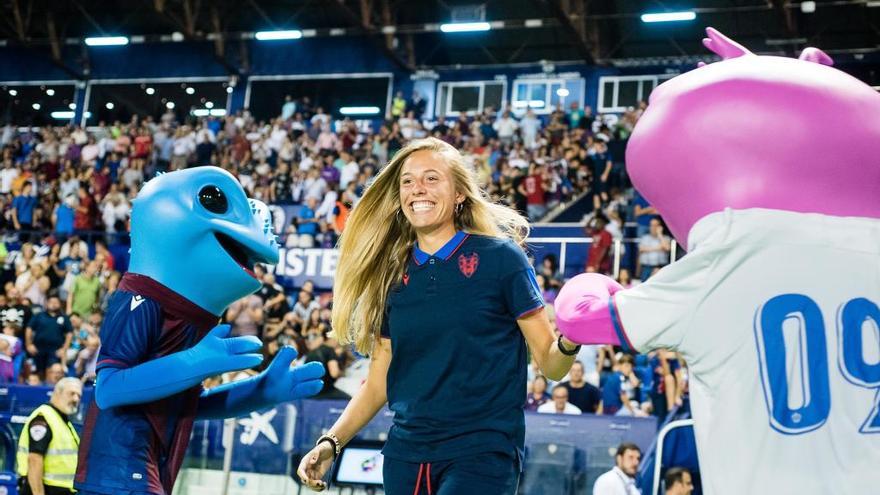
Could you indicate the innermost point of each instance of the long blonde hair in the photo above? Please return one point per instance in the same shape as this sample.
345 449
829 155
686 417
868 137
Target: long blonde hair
376 243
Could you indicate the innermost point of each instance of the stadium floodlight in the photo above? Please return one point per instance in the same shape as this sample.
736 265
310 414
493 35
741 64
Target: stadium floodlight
169 105
107 41
190 90
204 112
291 34
359 110
464 27
62 115
229 89
35 106
150 91
72 106
563 92
50 92
109 105
669 16
209 104
13 92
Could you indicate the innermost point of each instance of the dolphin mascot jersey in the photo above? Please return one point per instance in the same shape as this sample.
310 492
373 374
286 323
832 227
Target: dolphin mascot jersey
768 170
195 240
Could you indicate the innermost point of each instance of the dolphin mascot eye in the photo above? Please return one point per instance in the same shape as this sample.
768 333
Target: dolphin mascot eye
213 199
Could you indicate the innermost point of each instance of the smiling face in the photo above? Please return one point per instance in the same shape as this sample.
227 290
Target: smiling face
427 193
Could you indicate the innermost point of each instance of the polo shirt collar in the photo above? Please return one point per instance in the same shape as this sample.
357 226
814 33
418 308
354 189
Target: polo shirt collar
444 252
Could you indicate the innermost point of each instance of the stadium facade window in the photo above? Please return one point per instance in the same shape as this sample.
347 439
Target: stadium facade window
470 97
35 104
617 93
187 99
265 95
543 95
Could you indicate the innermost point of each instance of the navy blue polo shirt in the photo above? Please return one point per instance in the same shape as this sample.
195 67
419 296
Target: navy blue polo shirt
457 378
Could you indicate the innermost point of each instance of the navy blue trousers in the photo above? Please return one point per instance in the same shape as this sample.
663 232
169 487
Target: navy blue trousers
492 473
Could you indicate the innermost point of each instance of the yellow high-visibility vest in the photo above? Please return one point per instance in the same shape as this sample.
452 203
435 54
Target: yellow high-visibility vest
59 464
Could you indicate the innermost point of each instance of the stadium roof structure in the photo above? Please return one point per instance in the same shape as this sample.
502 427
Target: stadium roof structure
601 32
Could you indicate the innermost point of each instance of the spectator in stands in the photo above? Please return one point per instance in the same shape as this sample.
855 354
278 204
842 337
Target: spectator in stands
666 386
619 392
63 215
320 352
538 395
48 336
398 105
559 403
417 105
12 331
599 255
532 187
621 479
85 290
33 284
54 373
678 481
304 306
8 174
580 393
23 206
601 172
506 128
529 127
17 308
643 213
87 359
654 248
84 218
625 279
246 316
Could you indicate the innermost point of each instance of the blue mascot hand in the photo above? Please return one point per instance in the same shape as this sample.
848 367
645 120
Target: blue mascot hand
278 383
216 353
281 383
152 380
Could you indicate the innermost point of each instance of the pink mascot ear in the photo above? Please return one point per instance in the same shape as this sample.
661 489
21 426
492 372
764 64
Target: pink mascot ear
816 56
723 46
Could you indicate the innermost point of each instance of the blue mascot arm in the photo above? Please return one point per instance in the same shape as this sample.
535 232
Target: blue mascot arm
277 383
166 376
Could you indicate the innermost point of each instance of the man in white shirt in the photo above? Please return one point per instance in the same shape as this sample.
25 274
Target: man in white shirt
621 479
350 170
9 173
559 404
506 126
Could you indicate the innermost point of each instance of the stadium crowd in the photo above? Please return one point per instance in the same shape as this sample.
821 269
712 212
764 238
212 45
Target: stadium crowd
65 200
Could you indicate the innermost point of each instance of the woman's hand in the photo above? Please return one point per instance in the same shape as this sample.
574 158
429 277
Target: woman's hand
314 466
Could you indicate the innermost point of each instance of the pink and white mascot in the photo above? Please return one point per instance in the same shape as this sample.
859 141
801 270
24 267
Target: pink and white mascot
768 170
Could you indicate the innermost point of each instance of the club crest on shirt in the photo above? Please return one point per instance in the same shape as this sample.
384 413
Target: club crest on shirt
406 279
468 263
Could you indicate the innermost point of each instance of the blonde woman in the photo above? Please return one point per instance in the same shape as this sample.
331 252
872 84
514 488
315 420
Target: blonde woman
433 283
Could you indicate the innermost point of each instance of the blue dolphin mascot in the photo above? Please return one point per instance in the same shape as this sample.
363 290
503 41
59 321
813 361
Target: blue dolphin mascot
195 238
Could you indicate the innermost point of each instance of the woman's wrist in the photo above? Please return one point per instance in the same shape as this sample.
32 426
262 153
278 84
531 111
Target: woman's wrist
567 347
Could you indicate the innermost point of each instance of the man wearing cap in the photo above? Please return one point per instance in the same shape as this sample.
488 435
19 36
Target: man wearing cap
47 447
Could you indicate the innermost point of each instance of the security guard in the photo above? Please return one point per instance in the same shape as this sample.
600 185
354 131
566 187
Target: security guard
47 447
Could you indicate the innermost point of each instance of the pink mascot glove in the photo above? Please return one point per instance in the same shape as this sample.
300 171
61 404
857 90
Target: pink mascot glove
582 312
